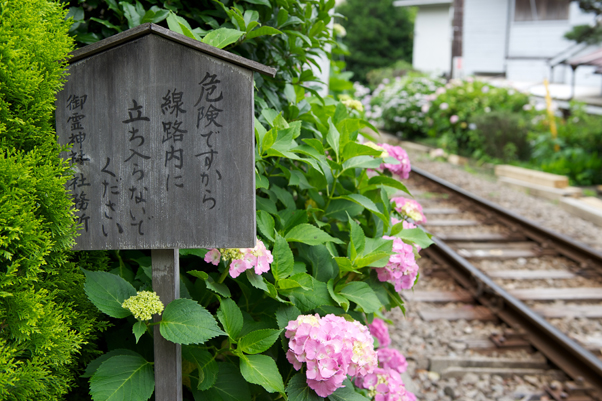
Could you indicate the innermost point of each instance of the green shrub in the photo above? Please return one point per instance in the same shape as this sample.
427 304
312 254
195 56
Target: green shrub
46 322
501 135
398 69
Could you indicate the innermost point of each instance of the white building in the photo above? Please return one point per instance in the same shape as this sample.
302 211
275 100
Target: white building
516 39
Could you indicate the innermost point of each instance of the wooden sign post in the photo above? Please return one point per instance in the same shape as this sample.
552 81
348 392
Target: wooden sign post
162 146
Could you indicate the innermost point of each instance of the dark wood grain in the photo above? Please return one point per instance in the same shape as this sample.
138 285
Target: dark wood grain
168 355
162 188
148 28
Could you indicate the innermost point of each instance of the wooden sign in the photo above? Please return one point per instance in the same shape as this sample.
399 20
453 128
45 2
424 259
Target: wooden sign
162 142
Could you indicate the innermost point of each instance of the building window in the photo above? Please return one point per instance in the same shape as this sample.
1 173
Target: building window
541 10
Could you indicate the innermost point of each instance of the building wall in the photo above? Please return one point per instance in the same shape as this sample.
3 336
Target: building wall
432 39
484 42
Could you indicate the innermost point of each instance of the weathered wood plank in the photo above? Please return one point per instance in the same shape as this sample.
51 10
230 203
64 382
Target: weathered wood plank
531 274
562 294
532 176
163 147
472 313
459 295
452 222
168 355
589 311
441 211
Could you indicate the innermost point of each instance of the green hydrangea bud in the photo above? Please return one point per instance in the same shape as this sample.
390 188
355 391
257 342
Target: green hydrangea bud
144 305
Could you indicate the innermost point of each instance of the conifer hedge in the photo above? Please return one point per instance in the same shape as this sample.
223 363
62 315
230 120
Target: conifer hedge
47 325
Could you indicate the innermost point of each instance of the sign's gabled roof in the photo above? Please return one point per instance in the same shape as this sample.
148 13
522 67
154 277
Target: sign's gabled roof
148 28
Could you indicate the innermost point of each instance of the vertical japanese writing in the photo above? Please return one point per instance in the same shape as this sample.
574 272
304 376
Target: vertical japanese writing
79 184
208 124
137 154
172 106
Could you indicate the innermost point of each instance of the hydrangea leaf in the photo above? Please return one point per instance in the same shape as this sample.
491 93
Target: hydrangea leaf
262 370
219 288
107 292
361 162
123 377
298 390
258 341
229 386
139 329
283 263
415 235
285 314
206 364
186 322
230 316
310 235
361 293
347 393
93 366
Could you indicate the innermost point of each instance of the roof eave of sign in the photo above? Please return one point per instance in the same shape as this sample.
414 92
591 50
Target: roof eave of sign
148 28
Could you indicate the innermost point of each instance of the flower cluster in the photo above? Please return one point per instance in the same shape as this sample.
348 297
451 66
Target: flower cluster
144 305
332 348
401 270
241 259
410 208
385 383
351 103
403 168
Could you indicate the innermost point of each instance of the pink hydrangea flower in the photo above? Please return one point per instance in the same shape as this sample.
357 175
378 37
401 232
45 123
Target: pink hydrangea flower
243 259
401 270
410 208
331 348
213 256
403 168
379 329
454 119
385 385
390 358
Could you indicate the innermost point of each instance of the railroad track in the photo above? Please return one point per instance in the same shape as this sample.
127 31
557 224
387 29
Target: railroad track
543 288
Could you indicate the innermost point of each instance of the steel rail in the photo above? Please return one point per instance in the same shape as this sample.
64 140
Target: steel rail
574 360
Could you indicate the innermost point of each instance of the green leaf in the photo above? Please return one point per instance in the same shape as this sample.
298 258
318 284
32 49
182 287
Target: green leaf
265 224
314 143
310 235
365 202
309 300
262 370
353 149
333 138
258 341
196 252
284 196
368 260
416 235
302 280
219 288
341 300
361 162
229 386
357 236
256 280
389 182
345 264
186 322
222 37
123 377
264 30
230 316
106 23
139 329
340 208
261 181
205 362
260 2
107 292
266 204
298 390
347 393
361 293
285 314
154 17
198 273
93 366
283 263
130 13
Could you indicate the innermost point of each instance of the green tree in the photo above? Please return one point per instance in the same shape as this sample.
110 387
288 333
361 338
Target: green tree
378 34
47 325
590 34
